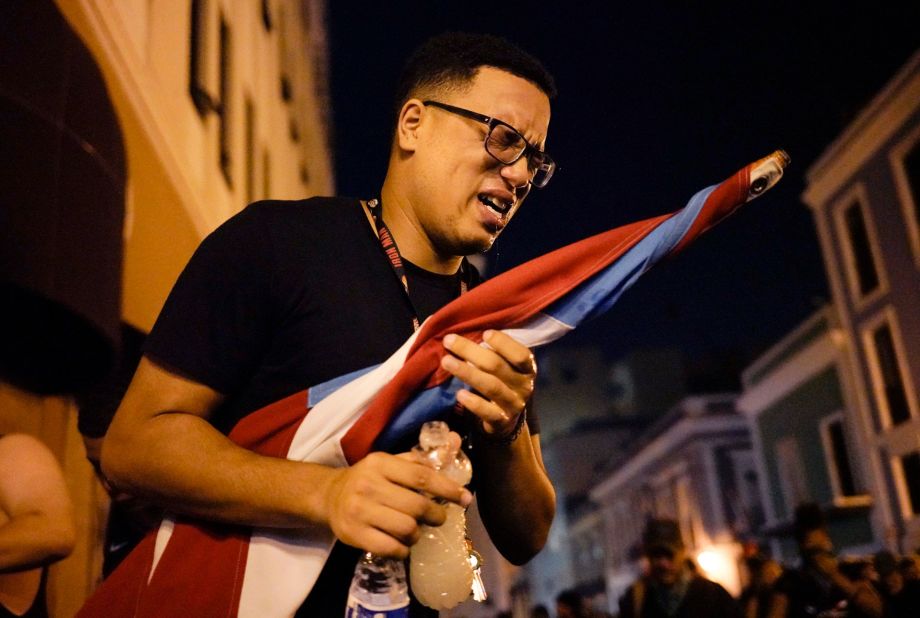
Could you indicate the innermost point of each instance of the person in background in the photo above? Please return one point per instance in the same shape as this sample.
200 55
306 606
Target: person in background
539 611
36 524
570 604
671 589
819 585
901 598
755 598
909 568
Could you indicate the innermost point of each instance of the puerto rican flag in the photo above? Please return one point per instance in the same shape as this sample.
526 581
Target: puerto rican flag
202 569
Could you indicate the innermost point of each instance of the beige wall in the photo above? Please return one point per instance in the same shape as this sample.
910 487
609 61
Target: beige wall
176 192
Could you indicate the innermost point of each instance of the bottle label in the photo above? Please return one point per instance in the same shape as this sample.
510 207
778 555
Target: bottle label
357 610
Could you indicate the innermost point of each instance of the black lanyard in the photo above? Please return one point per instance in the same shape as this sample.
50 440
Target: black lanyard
392 251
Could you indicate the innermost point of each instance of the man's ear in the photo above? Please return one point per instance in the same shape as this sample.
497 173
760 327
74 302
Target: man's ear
408 123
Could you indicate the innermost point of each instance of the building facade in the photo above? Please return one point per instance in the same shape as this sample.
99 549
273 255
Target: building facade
799 399
219 103
864 193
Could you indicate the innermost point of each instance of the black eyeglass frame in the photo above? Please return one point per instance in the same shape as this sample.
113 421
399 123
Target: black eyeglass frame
548 166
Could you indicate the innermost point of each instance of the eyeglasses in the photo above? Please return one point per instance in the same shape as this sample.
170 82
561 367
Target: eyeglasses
506 145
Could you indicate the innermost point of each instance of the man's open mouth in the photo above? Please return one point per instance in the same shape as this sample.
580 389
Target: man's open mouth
499 207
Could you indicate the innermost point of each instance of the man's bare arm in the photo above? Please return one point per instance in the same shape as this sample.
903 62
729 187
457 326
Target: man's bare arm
162 447
36 515
517 511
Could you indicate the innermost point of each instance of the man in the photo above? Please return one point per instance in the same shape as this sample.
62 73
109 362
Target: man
755 598
288 295
570 604
36 523
901 598
910 568
819 585
671 588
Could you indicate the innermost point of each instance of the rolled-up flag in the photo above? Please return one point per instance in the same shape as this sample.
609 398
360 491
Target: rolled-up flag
195 568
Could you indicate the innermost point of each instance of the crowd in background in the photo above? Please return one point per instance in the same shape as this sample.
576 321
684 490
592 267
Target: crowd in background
822 584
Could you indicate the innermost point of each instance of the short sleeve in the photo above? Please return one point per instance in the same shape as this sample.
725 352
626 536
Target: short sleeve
215 324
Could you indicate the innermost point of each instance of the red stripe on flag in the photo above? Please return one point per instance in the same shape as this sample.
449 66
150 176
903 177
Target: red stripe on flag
211 555
506 301
723 201
513 298
270 430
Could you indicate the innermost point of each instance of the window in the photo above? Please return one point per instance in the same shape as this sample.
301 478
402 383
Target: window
791 474
266 174
687 513
837 456
905 159
912 170
250 151
744 502
890 386
858 236
665 500
910 477
225 147
203 97
267 15
287 92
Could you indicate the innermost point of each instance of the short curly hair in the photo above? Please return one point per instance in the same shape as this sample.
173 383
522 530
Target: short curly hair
452 59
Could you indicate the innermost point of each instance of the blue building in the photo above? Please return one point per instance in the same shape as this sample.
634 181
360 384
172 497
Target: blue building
864 193
833 406
799 398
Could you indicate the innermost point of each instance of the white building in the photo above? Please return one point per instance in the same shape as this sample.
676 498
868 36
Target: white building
694 465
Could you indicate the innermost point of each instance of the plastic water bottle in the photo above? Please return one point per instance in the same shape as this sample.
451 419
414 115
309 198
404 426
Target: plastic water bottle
378 589
440 570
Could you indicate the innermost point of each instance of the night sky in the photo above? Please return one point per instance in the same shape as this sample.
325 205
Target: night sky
655 103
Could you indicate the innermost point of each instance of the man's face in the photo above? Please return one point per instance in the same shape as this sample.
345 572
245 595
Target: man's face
893 582
563 610
454 177
817 551
665 564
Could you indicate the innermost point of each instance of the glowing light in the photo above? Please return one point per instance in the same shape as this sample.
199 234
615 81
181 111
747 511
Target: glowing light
719 565
709 560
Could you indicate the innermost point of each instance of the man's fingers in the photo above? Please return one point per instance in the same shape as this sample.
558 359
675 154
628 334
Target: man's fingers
379 503
516 354
414 505
420 478
485 359
482 408
377 542
397 524
488 385
509 363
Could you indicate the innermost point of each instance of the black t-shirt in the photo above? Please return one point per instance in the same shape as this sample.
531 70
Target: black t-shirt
283 296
